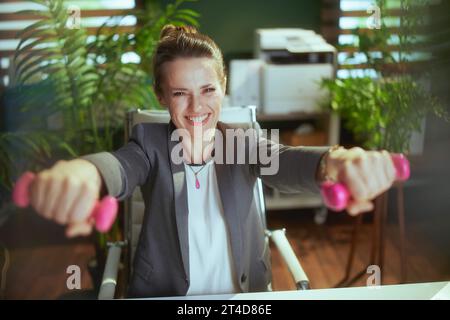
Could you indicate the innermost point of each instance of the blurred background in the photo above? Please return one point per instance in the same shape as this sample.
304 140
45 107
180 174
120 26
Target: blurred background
359 73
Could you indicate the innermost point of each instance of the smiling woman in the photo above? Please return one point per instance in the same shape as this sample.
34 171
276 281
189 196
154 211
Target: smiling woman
192 92
177 42
190 81
202 233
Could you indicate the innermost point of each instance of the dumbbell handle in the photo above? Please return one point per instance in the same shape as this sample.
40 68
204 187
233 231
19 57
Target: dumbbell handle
104 212
336 195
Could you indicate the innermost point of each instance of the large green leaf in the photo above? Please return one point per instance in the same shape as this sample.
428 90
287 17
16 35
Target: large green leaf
26 63
46 69
38 33
189 12
37 42
183 18
91 86
38 25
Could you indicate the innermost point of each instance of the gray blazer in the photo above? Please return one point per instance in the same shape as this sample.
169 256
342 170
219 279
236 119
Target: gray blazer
161 264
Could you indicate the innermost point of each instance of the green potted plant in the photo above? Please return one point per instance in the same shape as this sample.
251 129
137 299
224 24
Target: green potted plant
382 114
91 87
384 111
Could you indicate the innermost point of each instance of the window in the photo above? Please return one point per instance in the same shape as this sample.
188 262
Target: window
93 13
341 19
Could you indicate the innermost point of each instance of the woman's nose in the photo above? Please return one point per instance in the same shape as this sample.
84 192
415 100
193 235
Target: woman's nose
195 104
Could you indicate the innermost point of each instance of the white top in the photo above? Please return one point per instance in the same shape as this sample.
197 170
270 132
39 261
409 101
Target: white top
211 268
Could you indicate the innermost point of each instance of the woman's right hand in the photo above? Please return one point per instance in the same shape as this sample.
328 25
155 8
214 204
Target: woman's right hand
66 193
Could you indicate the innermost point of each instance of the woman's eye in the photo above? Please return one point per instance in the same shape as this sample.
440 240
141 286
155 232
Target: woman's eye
210 89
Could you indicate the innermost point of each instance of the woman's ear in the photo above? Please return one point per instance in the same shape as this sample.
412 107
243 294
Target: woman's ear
162 100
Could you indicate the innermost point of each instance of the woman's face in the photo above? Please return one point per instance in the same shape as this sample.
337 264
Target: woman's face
193 93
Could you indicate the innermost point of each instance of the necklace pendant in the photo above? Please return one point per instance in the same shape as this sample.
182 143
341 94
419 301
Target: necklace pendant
197 183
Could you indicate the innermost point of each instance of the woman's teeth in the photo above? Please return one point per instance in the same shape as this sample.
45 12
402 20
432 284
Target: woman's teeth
198 119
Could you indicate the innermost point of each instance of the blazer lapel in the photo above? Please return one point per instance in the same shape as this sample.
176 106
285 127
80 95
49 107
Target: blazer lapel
181 204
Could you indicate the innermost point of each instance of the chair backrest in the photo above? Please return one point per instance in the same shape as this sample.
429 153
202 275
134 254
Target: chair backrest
134 206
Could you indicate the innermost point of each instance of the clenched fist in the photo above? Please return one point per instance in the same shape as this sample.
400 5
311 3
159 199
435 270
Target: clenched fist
66 193
366 174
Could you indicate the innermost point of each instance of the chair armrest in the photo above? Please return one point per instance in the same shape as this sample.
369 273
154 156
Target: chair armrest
109 280
289 257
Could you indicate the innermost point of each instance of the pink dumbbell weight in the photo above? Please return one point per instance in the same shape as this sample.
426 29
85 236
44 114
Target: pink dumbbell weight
104 212
336 195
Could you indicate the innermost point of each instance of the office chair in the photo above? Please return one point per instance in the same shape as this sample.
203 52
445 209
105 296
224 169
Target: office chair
134 212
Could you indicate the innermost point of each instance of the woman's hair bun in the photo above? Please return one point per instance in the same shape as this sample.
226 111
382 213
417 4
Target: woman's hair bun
171 30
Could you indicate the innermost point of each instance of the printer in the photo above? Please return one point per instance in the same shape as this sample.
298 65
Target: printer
286 71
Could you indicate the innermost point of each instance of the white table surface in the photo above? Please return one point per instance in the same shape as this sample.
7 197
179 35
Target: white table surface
415 291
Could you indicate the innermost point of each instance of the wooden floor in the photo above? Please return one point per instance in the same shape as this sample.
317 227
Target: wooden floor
40 254
323 251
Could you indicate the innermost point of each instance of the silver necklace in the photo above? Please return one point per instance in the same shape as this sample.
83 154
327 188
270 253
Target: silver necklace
197 183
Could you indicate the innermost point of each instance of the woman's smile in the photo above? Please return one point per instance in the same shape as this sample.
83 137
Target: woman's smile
198 120
193 93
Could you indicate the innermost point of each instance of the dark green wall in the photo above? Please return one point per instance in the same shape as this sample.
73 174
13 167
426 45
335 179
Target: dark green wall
231 23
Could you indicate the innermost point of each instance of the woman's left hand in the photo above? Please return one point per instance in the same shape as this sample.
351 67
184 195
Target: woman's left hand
366 174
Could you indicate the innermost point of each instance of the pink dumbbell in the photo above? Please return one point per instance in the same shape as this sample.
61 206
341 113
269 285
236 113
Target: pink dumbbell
104 212
336 195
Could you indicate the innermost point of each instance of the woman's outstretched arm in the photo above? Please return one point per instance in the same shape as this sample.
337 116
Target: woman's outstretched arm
124 169
366 174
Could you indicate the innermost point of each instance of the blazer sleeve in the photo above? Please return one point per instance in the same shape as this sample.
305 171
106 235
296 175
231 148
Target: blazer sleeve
290 169
124 169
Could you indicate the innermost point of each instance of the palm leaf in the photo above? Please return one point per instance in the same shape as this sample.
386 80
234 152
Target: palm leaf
25 65
47 23
40 69
33 44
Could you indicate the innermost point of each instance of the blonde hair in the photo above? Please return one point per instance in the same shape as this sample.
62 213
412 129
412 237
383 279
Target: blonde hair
184 42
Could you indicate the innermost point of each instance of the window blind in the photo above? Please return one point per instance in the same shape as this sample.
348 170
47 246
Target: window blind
92 13
340 19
